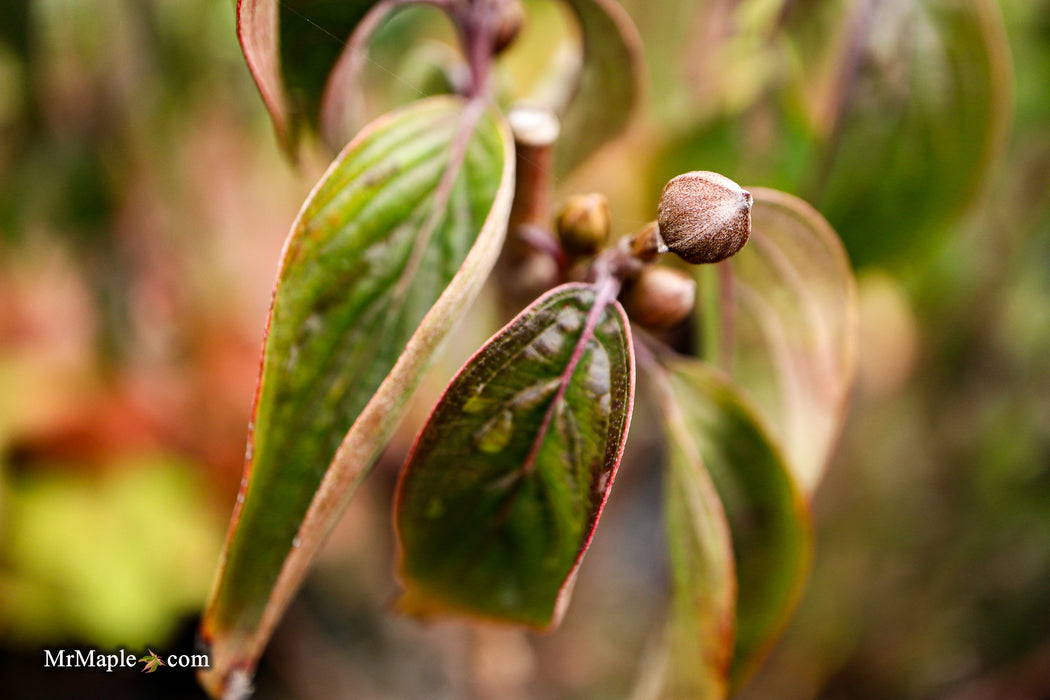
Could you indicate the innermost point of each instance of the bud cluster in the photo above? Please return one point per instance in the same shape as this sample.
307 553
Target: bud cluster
703 217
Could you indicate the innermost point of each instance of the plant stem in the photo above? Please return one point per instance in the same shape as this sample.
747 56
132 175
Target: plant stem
535 133
476 21
532 260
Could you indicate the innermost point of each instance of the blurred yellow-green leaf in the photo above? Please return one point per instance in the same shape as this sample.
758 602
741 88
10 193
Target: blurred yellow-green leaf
108 560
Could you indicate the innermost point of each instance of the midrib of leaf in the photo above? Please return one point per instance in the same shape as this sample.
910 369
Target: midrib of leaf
465 128
547 449
369 308
554 453
396 317
603 295
427 206
349 188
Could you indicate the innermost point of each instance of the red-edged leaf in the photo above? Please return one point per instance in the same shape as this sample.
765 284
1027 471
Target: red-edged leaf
505 484
785 327
385 257
700 632
258 25
768 519
291 47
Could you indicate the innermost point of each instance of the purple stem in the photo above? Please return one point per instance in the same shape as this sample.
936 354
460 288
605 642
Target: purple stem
539 238
475 22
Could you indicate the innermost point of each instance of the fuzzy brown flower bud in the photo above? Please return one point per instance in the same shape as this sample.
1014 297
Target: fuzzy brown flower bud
660 298
704 217
583 224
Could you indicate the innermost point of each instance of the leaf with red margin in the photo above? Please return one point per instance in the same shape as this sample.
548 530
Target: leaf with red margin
258 27
787 327
697 650
769 522
291 47
387 253
341 107
500 496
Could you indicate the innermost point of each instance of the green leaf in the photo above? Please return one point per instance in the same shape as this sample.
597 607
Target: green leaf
152 661
503 489
925 113
609 85
768 517
886 115
699 639
341 108
314 35
384 258
291 47
788 327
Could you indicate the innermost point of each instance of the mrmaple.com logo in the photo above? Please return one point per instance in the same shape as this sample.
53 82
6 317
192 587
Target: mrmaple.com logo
79 658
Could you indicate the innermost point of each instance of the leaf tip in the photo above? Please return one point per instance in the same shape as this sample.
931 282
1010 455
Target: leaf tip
222 684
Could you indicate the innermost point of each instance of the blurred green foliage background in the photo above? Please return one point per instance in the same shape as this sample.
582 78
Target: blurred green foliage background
143 203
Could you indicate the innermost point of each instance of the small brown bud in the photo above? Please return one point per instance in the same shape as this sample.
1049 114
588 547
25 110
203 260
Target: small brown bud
583 224
647 244
660 298
510 18
704 217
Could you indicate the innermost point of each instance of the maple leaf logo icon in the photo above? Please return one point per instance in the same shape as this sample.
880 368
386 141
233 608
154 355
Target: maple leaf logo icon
152 662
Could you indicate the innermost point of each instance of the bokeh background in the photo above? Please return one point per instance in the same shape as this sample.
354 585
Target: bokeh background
143 204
